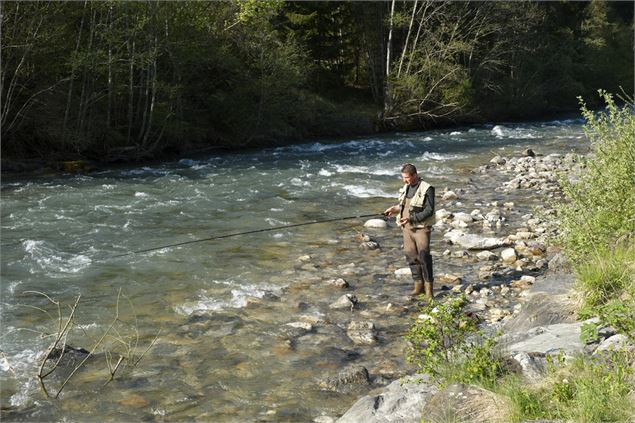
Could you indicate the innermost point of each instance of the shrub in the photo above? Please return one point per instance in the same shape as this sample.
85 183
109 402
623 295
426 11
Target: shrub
600 206
587 389
446 344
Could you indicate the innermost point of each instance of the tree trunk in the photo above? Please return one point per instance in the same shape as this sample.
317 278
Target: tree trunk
405 47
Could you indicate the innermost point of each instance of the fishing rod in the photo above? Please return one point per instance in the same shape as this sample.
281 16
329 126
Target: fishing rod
275 228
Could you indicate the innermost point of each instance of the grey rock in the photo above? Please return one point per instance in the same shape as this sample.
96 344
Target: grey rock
404 272
533 366
346 380
558 262
369 245
362 332
614 343
509 255
401 401
473 242
449 196
487 255
376 223
345 301
551 339
463 217
338 282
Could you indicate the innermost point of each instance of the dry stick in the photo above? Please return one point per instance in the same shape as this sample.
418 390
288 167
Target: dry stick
148 349
94 347
60 335
113 371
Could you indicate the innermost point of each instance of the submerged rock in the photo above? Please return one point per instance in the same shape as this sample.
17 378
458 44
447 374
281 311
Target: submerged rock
345 301
362 332
346 380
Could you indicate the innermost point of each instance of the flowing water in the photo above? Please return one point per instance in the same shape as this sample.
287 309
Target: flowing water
224 351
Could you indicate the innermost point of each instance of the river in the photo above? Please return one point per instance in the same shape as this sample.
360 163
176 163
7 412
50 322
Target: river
224 351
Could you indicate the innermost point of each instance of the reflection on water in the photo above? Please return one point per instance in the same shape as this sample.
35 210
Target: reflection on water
225 351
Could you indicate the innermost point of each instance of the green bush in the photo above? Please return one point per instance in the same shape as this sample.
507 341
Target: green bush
599 207
446 344
584 390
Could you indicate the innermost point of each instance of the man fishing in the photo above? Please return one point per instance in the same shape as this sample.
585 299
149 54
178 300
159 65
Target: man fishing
415 216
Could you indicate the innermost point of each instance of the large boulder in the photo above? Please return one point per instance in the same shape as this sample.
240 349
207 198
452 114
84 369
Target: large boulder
473 242
401 401
552 339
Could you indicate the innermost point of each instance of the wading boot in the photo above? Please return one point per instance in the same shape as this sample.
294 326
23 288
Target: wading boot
428 291
418 289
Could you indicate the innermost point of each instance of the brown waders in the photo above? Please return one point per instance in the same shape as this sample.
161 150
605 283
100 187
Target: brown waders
416 244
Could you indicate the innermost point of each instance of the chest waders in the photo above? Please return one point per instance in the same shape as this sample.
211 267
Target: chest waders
416 240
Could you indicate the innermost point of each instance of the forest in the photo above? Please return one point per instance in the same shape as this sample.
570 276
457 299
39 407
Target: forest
124 81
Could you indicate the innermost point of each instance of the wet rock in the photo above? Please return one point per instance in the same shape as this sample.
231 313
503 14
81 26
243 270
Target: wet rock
487 255
362 332
498 160
401 401
346 301
346 380
369 245
376 223
449 279
338 283
509 255
403 272
449 196
443 214
298 329
305 258
463 217
460 254
473 242
529 153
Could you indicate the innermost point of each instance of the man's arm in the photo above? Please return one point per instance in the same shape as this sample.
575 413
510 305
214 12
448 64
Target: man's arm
392 210
428 208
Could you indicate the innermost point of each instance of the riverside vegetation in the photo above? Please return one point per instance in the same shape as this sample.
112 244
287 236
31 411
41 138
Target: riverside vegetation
596 227
108 80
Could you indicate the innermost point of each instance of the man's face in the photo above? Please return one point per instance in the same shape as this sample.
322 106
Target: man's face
409 179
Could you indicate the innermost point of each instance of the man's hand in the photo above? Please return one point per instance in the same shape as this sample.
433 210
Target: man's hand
403 221
391 210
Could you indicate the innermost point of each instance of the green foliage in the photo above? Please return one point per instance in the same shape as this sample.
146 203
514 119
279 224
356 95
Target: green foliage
445 343
600 206
583 390
597 218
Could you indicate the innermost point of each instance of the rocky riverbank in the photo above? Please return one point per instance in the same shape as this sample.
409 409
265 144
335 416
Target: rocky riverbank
524 289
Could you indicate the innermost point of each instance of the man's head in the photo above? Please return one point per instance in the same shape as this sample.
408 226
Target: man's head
409 174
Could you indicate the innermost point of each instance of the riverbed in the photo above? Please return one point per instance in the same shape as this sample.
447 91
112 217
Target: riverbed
240 328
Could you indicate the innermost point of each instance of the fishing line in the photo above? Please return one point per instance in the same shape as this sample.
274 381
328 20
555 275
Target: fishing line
255 231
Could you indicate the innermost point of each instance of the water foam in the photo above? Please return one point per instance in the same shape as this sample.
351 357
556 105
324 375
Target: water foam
427 156
365 170
52 262
364 192
211 301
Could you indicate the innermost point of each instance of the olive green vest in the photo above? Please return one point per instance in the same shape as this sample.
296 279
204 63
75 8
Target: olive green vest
416 201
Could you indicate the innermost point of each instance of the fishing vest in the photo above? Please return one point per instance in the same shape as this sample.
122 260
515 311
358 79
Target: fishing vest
416 202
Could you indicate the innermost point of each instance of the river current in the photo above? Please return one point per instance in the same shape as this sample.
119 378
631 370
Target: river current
224 351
